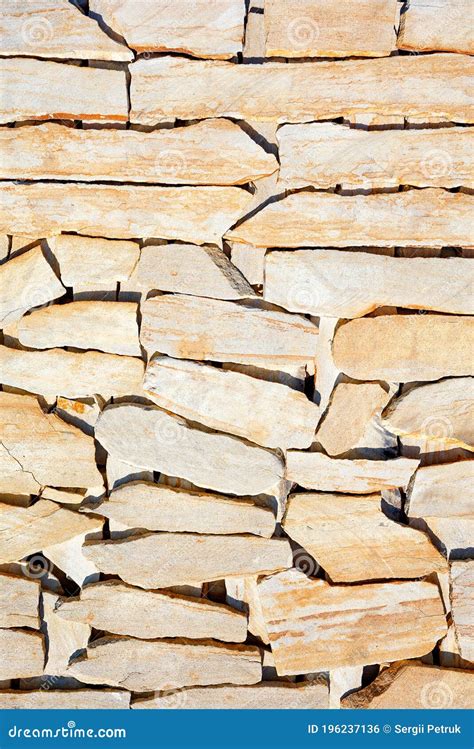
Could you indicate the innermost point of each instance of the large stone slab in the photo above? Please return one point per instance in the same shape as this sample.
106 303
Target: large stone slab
192 214
188 559
330 29
318 471
38 442
426 86
53 28
19 601
107 326
202 28
416 218
334 283
157 507
440 412
428 25
26 281
21 654
405 348
151 614
26 530
266 413
327 154
40 90
352 539
73 375
143 665
314 626
213 152
188 327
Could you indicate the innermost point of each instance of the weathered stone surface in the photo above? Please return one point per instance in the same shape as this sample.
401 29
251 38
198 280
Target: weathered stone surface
26 281
73 375
156 507
352 539
39 442
192 328
69 555
108 326
202 28
65 699
80 413
342 681
266 413
19 601
415 218
143 666
442 490
329 29
52 28
317 471
424 86
462 602
212 152
267 695
21 654
150 614
189 269
405 348
192 214
93 260
187 559
152 439
437 25
363 620
250 261
438 412
40 90
326 154
333 283
414 686
337 433
25 530
64 637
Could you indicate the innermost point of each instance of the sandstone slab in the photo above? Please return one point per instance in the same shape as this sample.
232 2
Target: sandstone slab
65 699
428 25
462 602
93 260
19 601
21 654
65 638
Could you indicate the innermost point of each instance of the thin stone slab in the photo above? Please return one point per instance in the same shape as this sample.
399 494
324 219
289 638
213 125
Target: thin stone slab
107 326
53 28
414 686
191 214
151 614
212 152
438 412
268 695
188 327
337 434
405 348
432 25
462 602
39 442
189 269
19 601
65 699
145 666
363 620
203 28
330 29
352 539
187 559
334 283
21 654
156 507
327 154
26 281
315 470
26 530
266 413
43 90
426 86
415 218
93 260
